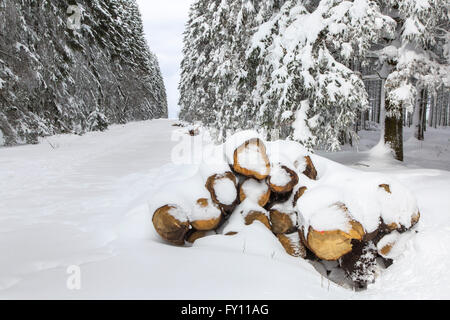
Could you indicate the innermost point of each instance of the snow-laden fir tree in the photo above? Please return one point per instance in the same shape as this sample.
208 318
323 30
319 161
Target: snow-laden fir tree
304 74
58 79
270 57
216 81
286 67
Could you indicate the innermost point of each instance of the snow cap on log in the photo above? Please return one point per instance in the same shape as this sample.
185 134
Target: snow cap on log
282 179
393 245
399 210
256 191
330 231
250 159
205 215
368 203
223 190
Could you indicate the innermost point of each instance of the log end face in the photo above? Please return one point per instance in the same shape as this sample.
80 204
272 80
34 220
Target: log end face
251 160
281 222
253 216
168 227
310 170
293 245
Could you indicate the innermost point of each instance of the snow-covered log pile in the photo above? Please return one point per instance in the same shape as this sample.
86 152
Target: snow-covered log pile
317 209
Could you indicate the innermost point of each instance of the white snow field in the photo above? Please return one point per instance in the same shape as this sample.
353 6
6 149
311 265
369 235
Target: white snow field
83 201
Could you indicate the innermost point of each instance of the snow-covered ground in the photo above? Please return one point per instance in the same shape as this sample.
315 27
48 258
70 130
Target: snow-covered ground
83 200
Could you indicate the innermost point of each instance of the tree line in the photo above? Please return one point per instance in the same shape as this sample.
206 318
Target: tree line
58 78
299 68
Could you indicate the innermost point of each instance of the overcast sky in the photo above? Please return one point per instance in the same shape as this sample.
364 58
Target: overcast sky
164 22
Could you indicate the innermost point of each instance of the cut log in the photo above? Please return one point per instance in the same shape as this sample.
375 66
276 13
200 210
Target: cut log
223 190
415 219
310 170
333 244
195 235
389 227
253 216
281 222
329 245
292 244
278 199
168 227
251 160
386 187
390 246
282 179
256 191
206 216
300 192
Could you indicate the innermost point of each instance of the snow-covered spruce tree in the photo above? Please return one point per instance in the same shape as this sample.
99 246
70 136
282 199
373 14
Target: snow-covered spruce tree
196 91
410 64
216 82
236 108
274 61
286 67
55 79
305 57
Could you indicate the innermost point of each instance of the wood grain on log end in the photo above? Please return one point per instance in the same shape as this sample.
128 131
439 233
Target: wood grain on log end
281 222
293 245
194 236
169 228
253 216
300 192
310 170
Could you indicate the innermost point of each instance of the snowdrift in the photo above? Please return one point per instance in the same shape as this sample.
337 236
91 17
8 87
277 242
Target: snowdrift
350 221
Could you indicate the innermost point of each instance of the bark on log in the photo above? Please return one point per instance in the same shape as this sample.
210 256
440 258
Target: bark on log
251 160
285 187
277 198
261 195
216 195
360 264
169 228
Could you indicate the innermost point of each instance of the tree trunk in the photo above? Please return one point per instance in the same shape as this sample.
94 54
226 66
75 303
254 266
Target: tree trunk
418 116
431 117
424 111
393 131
